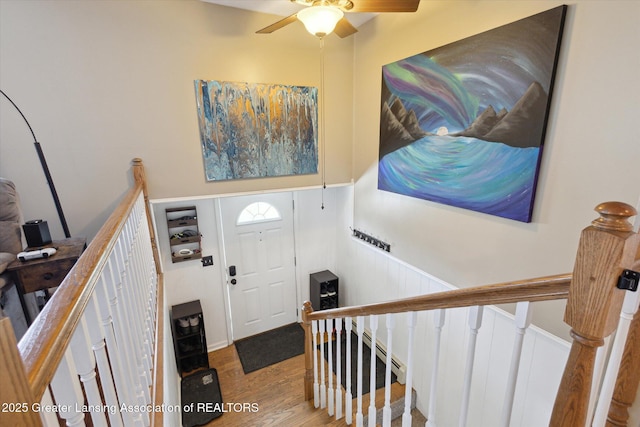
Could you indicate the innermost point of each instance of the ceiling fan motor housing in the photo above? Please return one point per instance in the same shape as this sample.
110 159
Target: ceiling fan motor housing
342 4
343 28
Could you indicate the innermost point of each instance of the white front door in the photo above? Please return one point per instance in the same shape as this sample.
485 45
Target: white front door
259 246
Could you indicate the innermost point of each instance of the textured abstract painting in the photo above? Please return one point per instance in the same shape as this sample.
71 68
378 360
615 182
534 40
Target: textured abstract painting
252 130
464 124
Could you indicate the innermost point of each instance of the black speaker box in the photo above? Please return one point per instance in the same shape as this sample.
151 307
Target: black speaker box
37 233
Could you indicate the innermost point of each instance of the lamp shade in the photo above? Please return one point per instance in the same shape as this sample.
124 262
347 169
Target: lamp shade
320 20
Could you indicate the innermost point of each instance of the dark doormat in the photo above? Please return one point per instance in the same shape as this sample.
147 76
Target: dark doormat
201 398
366 364
267 348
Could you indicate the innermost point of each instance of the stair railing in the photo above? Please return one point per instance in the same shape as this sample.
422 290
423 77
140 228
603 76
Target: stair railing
606 248
95 349
541 289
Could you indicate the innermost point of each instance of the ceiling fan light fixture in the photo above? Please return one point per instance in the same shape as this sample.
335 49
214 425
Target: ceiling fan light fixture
320 20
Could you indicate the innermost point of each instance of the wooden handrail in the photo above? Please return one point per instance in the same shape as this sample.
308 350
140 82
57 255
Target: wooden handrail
538 289
46 341
158 374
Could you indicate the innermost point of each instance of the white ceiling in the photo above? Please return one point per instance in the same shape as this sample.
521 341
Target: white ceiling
284 8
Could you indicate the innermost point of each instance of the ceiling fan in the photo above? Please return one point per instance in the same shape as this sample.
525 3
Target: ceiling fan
321 17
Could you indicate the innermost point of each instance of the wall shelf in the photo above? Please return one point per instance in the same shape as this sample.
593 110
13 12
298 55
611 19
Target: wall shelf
184 234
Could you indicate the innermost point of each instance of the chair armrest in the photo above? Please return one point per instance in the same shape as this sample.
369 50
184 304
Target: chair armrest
6 258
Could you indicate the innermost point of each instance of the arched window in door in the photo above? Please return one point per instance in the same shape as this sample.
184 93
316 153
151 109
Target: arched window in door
258 212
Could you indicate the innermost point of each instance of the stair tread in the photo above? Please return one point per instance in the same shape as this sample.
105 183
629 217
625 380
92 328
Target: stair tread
278 390
397 393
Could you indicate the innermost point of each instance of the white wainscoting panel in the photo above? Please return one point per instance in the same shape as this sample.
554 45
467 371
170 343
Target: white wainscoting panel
368 274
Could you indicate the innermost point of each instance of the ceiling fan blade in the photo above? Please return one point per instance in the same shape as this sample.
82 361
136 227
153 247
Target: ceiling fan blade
382 6
344 28
277 25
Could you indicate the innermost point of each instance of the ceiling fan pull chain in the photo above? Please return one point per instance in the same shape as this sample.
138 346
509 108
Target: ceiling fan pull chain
323 139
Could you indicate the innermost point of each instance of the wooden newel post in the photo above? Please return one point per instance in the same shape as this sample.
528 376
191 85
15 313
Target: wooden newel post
606 248
308 351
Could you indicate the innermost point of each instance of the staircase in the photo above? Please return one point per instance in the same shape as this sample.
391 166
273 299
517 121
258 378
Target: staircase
105 320
450 395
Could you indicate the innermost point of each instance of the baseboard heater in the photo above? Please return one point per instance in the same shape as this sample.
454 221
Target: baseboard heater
397 367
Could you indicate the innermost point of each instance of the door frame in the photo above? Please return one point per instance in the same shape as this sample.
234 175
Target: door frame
224 270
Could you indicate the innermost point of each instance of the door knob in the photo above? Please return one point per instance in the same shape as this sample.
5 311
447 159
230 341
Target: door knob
233 281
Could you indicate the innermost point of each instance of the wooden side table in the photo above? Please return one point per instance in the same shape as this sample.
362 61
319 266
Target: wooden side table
44 273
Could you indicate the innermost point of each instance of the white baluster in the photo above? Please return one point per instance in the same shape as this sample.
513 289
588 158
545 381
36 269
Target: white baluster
147 294
115 356
125 299
67 392
360 331
348 396
629 309
338 369
386 411
123 345
316 386
85 366
49 418
140 290
330 373
411 323
599 365
135 312
136 291
323 387
438 321
475 321
522 321
373 324
97 337
131 338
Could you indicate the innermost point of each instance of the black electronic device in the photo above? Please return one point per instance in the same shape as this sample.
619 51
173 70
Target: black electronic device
36 232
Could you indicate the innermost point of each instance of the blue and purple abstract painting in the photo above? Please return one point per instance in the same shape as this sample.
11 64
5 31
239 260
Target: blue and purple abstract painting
464 124
253 130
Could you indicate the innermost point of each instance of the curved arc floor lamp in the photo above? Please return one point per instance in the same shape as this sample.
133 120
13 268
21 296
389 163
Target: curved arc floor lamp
45 169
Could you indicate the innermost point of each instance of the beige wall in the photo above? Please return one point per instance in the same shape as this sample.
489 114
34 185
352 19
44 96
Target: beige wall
105 81
590 156
102 82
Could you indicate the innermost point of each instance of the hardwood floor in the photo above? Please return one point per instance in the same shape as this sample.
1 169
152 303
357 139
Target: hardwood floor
272 396
276 391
